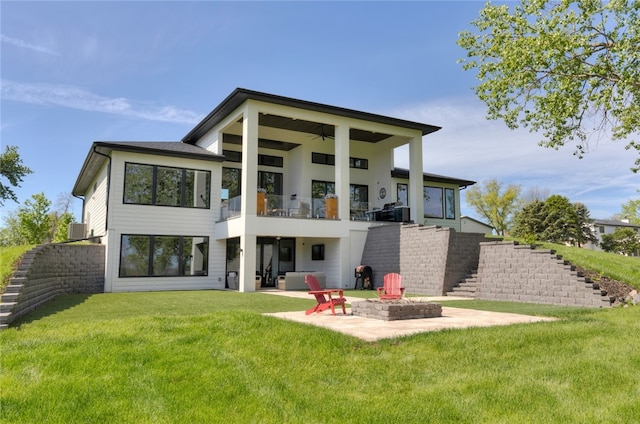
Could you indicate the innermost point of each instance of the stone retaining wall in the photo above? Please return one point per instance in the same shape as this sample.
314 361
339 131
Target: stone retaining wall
431 259
49 270
511 272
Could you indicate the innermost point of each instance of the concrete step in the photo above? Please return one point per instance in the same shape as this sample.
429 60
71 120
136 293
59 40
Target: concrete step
13 288
7 306
9 297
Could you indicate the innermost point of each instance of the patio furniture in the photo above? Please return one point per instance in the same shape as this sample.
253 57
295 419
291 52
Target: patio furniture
327 302
392 287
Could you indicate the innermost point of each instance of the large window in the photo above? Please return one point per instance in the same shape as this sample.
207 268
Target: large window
359 197
433 204
231 181
319 189
450 203
163 256
439 202
166 186
403 194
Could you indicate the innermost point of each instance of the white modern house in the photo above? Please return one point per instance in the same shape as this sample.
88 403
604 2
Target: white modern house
263 186
601 227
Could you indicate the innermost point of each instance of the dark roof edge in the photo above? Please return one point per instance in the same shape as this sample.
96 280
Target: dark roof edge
240 95
138 148
404 173
101 149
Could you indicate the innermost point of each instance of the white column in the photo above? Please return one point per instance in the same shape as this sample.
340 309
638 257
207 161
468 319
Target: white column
416 181
247 277
249 198
342 170
249 160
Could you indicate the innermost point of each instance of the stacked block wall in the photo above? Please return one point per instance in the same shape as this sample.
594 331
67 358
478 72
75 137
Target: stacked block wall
49 270
510 272
431 259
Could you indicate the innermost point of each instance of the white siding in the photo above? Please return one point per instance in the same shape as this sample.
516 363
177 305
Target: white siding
163 220
95 204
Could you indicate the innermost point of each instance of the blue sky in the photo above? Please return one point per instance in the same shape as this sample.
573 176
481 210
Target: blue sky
77 72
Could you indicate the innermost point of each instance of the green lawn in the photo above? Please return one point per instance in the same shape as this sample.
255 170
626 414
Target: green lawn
8 257
618 267
210 356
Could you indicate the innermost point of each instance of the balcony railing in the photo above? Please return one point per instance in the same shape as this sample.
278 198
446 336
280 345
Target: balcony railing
292 207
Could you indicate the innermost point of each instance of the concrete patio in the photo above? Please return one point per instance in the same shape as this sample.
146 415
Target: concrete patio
372 329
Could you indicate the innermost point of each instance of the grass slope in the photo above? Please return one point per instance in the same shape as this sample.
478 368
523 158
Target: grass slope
8 258
207 357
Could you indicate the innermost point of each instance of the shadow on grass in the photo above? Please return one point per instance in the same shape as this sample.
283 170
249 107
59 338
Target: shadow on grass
59 304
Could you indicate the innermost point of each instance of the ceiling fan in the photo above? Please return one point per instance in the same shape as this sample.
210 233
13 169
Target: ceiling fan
323 134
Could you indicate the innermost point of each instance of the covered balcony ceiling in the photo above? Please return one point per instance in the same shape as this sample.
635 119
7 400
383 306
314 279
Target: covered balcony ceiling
317 128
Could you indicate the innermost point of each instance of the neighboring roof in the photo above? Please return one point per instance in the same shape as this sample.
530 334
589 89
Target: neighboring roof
241 95
476 221
614 223
100 149
404 173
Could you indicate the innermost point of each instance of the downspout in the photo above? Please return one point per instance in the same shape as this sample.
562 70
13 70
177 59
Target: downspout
82 213
106 218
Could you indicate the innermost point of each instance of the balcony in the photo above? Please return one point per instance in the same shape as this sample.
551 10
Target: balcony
296 207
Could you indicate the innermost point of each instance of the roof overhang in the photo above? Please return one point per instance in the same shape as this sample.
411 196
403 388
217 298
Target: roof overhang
241 95
101 150
404 173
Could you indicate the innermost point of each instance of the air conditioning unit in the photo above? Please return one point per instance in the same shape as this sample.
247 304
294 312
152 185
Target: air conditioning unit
77 231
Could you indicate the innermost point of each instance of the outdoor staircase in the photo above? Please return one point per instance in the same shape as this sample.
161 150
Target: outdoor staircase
466 287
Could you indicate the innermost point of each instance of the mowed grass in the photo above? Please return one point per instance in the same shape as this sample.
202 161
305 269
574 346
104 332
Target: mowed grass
9 255
613 265
210 356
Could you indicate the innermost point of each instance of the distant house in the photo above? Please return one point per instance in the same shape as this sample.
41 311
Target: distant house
262 186
601 227
471 225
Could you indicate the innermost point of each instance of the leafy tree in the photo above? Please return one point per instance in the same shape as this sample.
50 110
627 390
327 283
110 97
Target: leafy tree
565 68
623 240
555 220
34 223
630 211
10 233
34 219
60 229
12 170
528 222
583 232
492 203
61 218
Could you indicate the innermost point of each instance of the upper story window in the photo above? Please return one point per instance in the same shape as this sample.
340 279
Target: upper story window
166 186
265 160
323 158
232 156
358 163
328 159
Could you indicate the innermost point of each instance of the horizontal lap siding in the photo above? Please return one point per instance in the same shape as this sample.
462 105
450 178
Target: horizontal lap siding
95 206
164 220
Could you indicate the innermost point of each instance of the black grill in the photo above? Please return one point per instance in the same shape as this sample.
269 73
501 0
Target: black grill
364 277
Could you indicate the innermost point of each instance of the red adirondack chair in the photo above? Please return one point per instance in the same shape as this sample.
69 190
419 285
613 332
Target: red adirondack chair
323 302
392 287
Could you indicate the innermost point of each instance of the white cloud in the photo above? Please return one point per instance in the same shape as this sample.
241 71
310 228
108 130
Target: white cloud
471 147
26 45
78 98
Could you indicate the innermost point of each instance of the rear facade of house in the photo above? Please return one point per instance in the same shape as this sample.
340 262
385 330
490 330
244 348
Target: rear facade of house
263 186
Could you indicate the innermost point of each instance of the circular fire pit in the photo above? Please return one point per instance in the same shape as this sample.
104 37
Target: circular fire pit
396 309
